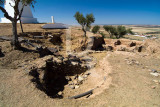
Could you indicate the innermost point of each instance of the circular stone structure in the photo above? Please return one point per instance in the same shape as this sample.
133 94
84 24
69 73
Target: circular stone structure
27 16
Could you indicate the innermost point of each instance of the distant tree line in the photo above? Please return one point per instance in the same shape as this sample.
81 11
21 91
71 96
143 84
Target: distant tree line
117 31
114 31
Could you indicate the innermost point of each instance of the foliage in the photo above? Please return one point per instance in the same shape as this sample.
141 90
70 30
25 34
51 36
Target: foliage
111 30
118 31
95 29
85 22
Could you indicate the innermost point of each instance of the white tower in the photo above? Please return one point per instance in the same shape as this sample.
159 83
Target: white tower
52 19
27 16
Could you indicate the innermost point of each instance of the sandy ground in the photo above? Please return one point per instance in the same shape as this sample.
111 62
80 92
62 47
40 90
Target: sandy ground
130 87
125 85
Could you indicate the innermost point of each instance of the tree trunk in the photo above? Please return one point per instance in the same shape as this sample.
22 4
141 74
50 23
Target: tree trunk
15 43
21 26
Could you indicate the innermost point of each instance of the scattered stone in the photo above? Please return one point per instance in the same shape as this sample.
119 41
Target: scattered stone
74 63
76 86
88 73
80 78
121 48
60 93
47 51
88 59
75 77
155 74
109 48
140 48
130 62
68 78
132 44
154 70
75 82
153 87
73 58
72 86
118 42
85 76
156 81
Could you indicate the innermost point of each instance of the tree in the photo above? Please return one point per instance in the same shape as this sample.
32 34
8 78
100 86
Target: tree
122 30
17 15
111 30
95 29
118 31
85 22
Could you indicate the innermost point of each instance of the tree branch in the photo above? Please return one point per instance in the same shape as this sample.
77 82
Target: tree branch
20 14
16 10
10 4
6 14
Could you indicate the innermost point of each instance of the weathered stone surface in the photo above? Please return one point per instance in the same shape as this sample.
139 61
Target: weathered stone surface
132 44
98 43
80 78
118 42
56 39
77 86
121 48
155 74
109 48
47 51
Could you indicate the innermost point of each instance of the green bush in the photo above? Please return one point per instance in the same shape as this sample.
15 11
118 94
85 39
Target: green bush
118 31
95 29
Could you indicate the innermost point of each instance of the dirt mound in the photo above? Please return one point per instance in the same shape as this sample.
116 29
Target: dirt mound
152 46
94 42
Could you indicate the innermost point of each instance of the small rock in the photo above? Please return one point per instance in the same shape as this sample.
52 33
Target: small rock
153 87
118 42
129 62
74 63
76 86
68 78
85 76
109 48
70 83
155 74
75 82
72 86
132 44
60 93
156 81
80 78
88 73
154 70
76 77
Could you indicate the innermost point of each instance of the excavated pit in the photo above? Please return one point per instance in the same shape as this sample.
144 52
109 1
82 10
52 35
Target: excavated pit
52 79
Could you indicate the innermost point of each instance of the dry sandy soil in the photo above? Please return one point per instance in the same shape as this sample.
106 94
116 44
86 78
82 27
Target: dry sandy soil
126 85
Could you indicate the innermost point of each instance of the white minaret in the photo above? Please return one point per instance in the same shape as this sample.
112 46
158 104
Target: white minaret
27 16
52 19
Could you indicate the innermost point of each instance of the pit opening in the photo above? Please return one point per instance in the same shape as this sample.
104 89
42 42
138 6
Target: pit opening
52 79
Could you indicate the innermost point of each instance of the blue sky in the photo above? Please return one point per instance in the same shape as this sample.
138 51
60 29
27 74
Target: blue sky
105 11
